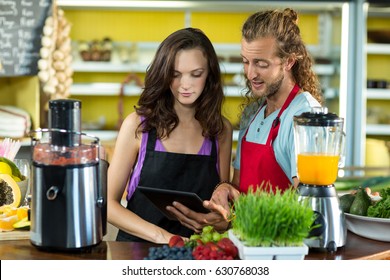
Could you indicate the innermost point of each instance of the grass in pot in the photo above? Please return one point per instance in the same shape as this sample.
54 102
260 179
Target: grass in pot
271 219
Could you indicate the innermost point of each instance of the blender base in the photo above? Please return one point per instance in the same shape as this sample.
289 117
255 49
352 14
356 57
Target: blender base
330 230
315 243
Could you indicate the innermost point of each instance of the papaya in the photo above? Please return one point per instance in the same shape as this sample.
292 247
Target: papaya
361 203
7 210
10 193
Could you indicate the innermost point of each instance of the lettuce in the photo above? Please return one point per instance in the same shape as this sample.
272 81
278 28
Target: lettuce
381 209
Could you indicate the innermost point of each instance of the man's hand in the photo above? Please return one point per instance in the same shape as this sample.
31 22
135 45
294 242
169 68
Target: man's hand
220 199
196 221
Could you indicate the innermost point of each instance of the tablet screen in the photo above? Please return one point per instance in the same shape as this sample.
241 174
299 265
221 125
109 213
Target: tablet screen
161 198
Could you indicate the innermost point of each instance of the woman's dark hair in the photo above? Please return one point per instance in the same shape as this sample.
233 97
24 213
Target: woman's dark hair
156 101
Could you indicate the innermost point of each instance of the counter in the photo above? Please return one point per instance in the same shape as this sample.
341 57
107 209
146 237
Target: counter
356 248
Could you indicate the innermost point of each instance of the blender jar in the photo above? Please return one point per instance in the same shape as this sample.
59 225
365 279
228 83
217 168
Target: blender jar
319 145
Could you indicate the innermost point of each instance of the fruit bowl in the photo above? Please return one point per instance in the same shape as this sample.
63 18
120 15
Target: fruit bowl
369 227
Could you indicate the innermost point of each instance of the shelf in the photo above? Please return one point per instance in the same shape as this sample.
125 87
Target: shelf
226 68
218 5
109 135
103 135
108 67
331 93
235 135
113 89
378 48
233 91
380 94
145 52
378 129
378 10
115 67
103 89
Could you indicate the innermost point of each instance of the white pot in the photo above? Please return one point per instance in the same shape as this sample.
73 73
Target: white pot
268 253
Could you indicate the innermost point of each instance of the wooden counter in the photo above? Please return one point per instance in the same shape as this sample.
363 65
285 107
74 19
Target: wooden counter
356 248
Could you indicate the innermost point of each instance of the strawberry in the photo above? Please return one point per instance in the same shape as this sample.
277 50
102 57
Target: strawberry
228 246
176 241
213 246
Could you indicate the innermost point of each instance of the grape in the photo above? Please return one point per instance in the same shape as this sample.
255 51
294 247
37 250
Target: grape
195 237
207 229
216 236
208 234
206 237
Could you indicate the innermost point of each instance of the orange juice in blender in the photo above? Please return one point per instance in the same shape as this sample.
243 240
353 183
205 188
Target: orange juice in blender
319 149
317 169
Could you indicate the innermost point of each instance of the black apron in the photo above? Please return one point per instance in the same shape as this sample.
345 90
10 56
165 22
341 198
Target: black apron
165 170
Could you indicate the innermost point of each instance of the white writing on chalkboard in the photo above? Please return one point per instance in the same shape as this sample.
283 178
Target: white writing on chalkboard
28 22
27 13
21 24
6 23
27 3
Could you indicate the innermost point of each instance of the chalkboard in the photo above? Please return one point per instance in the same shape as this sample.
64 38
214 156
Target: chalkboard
21 25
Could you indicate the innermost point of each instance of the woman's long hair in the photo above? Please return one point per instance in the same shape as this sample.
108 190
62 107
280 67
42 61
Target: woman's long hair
156 103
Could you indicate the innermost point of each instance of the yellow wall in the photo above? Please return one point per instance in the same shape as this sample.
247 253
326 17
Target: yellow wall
154 26
378 66
22 92
123 25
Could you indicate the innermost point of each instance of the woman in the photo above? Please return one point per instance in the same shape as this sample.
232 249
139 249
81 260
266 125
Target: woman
177 138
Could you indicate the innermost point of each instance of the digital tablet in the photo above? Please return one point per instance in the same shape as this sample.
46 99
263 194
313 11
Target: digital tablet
161 198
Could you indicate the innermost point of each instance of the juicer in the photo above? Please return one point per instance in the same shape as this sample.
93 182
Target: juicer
319 149
69 190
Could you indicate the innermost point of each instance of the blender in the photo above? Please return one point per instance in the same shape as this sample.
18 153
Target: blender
68 207
319 149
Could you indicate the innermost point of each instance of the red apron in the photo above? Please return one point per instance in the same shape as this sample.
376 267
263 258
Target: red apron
258 162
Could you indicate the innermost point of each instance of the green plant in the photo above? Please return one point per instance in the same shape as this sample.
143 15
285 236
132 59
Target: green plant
266 219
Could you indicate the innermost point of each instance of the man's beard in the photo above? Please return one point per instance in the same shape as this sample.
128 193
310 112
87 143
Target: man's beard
274 87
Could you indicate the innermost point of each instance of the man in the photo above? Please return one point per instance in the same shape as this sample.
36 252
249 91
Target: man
280 84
